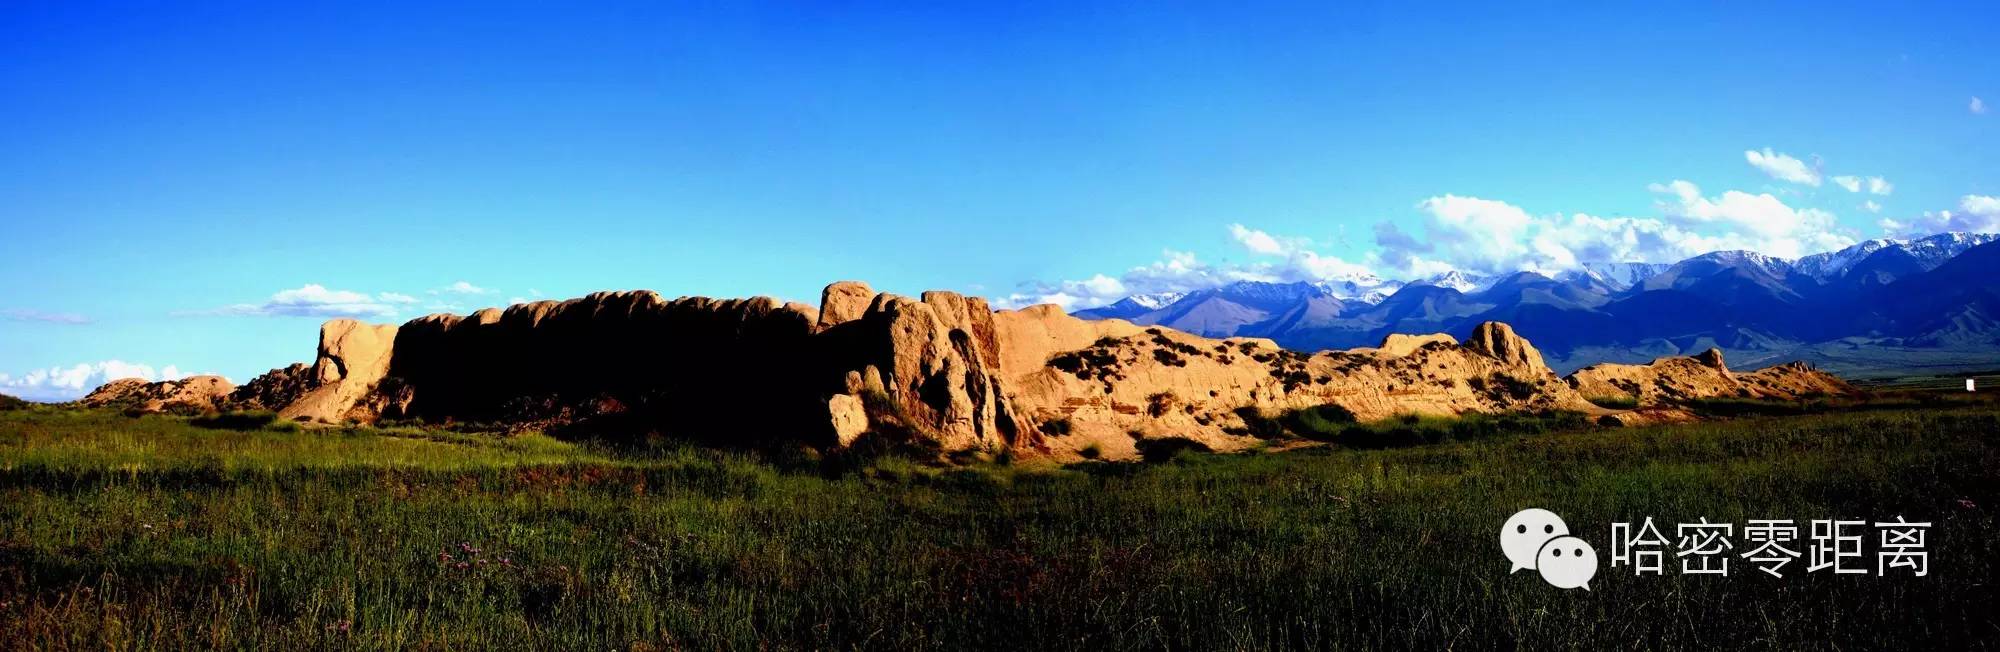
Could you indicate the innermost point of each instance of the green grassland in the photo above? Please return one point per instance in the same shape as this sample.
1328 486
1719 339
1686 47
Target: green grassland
146 533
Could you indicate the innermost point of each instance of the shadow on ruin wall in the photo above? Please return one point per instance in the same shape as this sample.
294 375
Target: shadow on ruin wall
622 366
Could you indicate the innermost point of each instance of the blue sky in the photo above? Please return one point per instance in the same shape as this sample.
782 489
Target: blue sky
176 181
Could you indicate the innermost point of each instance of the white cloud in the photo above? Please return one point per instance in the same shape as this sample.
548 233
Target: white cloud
1472 233
1177 271
1782 167
1977 107
1311 266
1583 238
1761 223
1490 236
463 287
1875 185
1871 206
69 318
1485 236
70 383
1301 262
533 296
315 300
1256 241
1976 214
1102 285
1180 272
1494 237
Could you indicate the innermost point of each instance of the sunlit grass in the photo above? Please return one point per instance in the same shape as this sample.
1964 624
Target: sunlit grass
63 439
150 533
1614 402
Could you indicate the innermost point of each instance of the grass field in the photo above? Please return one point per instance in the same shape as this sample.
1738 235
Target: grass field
148 533
1984 381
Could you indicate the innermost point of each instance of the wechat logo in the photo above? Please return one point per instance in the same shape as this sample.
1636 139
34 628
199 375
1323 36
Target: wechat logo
1538 539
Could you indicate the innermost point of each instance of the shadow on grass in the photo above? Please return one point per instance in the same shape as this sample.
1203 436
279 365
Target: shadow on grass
244 421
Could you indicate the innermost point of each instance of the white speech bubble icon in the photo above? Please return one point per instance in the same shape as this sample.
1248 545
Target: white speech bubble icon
1526 531
1567 562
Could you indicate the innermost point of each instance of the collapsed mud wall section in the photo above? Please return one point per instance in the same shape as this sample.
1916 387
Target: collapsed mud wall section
627 364
934 361
1675 379
697 368
350 364
941 367
194 394
1108 384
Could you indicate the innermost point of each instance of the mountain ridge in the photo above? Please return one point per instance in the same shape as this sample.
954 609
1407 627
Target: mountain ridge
1745 302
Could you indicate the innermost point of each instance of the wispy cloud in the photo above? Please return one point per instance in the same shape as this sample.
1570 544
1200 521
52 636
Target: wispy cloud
1880 186
464 296
463 288
1975 214
1258 242
1783 167
315 300
69 318
1176 271
1874 185
1977 107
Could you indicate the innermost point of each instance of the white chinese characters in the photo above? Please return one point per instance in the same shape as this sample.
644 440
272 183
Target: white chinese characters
1769 545
1768 538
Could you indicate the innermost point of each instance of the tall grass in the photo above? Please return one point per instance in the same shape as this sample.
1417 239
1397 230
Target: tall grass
150 533
1336 425
1614 402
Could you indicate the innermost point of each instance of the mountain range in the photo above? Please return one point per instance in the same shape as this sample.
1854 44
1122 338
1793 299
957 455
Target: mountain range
1877 307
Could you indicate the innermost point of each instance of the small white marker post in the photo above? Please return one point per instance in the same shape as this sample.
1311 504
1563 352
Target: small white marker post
1969 384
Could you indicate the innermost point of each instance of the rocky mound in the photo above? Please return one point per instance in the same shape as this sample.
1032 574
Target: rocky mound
344 382
940 368
1794 380
1675 379
194 394
1108 384
734 371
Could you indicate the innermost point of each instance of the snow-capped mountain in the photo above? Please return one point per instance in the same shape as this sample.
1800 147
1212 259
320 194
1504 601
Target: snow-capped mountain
1457 280
1261 293
1243 300
1616 276
1831 264
1929 253
1734 299
1132 306
1365 288
1705 270
1156 300
1936 250
1743 258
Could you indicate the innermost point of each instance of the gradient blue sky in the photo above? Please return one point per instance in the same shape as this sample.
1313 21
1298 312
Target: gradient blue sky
166 168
